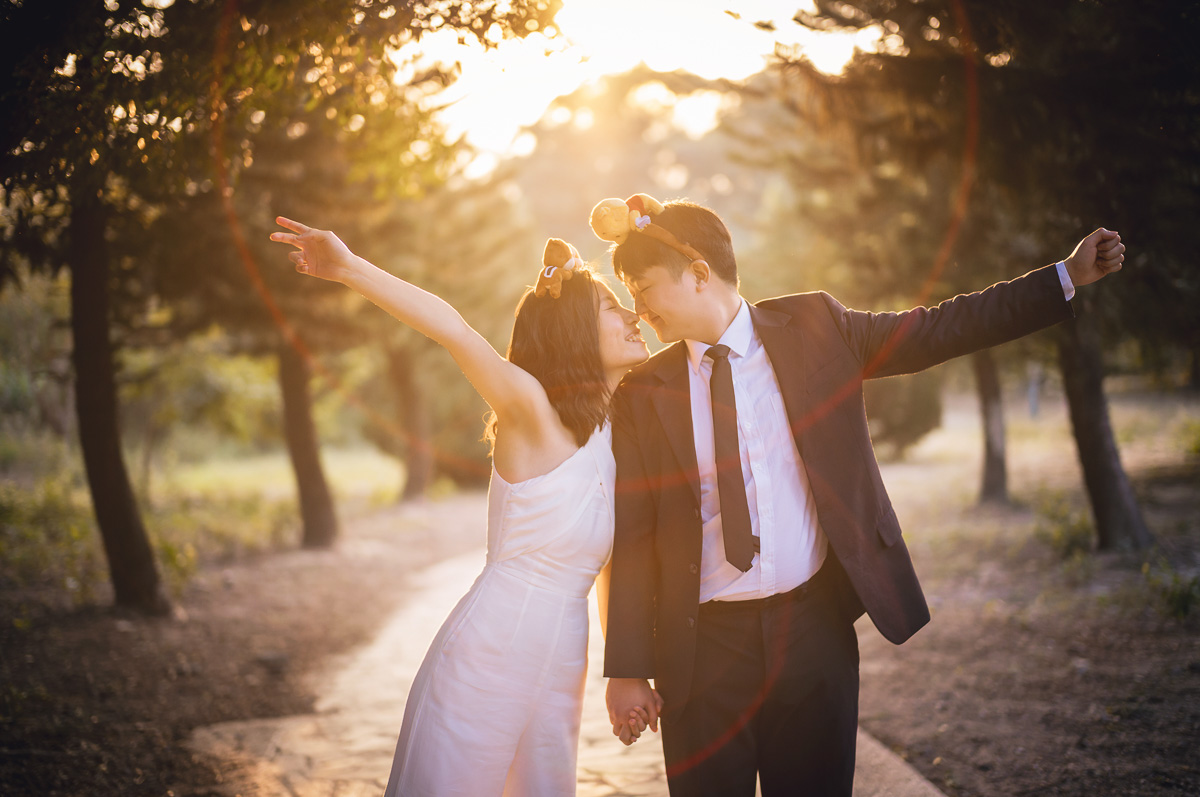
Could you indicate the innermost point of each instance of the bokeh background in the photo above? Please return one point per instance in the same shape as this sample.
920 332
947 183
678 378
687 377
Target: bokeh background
174 398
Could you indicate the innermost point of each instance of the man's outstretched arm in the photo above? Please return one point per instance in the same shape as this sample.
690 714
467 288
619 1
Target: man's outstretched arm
887 344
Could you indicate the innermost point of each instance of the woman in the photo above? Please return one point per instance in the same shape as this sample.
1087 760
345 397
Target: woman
495 707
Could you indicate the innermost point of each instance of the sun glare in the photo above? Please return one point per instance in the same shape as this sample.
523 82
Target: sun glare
510 86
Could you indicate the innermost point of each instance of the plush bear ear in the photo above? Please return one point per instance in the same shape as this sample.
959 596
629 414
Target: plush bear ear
557 252
559 260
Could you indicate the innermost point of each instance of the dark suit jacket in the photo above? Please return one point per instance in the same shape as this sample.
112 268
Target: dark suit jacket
821 352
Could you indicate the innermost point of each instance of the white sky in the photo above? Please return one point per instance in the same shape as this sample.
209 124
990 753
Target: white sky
510 86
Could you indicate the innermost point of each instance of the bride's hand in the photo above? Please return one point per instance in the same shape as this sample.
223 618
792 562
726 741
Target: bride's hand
631 730
321 253
623 733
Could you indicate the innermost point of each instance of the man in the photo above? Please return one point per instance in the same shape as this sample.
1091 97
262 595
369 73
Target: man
752 525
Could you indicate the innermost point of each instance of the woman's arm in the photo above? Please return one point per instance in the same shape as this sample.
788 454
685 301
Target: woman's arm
513 393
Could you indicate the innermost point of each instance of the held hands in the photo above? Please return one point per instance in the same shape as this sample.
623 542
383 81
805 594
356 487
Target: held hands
1097 255
631 730
321 253
632 707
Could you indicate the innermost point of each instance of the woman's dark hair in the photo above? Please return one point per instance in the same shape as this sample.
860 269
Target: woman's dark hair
557 341
692 224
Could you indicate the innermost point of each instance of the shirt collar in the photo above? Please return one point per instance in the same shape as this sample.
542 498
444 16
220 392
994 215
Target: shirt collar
738 336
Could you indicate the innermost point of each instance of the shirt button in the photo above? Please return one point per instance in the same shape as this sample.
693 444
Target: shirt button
691 622
693 569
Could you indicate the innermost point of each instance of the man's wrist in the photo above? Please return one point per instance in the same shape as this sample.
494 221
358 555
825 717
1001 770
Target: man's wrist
1064 279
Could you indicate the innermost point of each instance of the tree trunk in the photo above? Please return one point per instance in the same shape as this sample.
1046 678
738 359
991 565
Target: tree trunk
415 422
131 564
994 488
1119 522
317 514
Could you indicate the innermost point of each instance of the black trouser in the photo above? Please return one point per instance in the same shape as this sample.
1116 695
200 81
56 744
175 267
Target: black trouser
774 692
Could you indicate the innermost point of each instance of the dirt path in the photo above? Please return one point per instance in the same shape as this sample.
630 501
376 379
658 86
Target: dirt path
345 746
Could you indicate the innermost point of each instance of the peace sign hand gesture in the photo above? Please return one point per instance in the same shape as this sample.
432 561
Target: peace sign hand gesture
321 253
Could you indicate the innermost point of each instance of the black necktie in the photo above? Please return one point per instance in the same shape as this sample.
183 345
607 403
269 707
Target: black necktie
735 514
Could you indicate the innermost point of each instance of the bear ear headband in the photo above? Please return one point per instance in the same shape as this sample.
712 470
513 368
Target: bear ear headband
559 262
613 220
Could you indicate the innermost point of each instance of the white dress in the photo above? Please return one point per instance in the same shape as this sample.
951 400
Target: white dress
496 704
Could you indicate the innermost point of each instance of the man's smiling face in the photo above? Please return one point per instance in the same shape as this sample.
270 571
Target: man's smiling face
666 303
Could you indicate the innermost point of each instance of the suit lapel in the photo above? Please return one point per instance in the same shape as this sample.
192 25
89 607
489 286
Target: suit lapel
673 404
784 343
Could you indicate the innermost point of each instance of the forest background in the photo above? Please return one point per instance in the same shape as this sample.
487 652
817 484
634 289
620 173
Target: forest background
174 398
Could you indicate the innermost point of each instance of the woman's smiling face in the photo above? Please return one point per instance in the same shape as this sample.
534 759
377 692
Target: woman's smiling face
621 343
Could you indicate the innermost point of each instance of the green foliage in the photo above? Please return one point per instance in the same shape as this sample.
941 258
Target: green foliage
48 535
1190 435
28 456
35 375
457 242
468 243
189 530
855 220
48 538
1079 567
1007 99
1066 529
151 88
903 409
199 399
114 111
200 384
9 452
1176 593
16 394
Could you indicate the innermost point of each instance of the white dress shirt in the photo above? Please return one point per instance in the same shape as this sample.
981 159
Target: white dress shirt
782 515
792 546
1064 279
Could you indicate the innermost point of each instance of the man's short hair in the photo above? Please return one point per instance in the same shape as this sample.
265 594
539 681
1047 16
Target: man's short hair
692 224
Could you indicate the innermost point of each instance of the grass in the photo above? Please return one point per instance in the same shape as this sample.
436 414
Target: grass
220 510
1048 527
1066 529
1176 593
47 536
1189 432
357 475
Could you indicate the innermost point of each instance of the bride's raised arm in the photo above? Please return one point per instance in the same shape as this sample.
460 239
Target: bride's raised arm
513 394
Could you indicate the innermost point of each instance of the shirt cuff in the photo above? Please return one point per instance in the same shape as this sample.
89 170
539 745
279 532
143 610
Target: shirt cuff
1065 280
